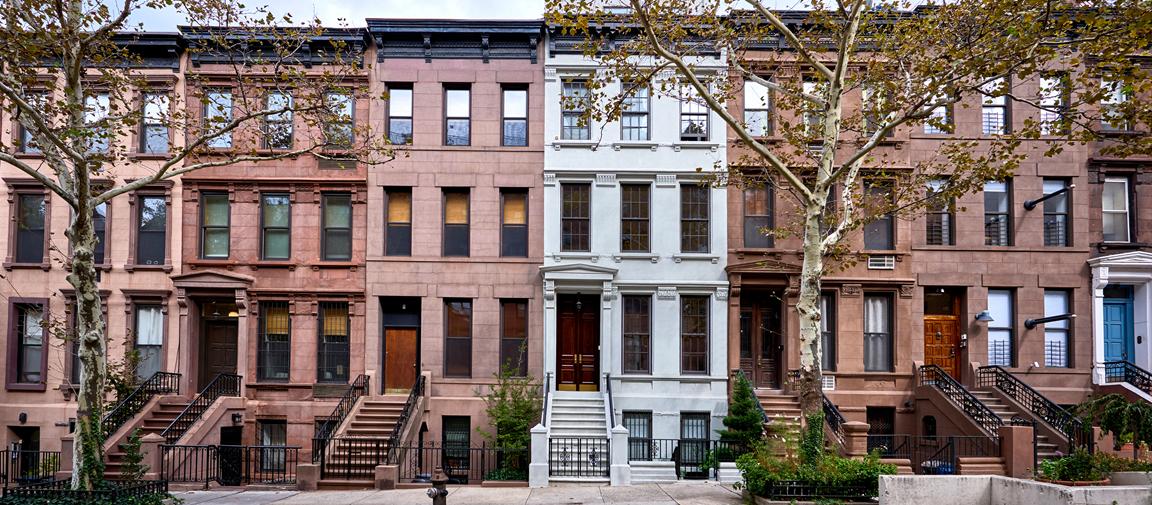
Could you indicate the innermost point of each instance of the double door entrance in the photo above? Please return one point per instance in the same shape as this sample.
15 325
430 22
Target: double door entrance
577 342
761 340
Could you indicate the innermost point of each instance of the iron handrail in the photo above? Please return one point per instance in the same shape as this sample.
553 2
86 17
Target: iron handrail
833 418
224 384
932 375
158 383
547 391
611 409
402 421
1044 409
1124 371
329 423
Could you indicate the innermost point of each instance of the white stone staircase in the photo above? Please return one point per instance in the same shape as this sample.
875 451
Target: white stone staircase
578 432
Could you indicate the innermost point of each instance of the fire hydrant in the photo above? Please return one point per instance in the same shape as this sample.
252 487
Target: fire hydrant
439 490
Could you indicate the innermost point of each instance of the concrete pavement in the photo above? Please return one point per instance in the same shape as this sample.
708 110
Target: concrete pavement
697 493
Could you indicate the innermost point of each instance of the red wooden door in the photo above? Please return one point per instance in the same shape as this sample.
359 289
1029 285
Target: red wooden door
399 358
941 343
578 343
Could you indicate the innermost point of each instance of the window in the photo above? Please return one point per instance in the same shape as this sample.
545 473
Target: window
457 433
874 104
694 334
575 217
514 336
149 326
96 109
634 117
997 213
757 109
693 114
940 120
456 218
1113 117
217 115
274 355
99 225
515 117
278 125
337 227
275 226
273 436
877 333
828 331
1056 341
457 116
1056 233
339 129
1114 202
694 218
29 327
154 123
27 142
639 425
332 365
813 115
758 219
994 112
694 435
30 228
574 102
152 230
514 223
1000 329
880 232
398 233
214 223
457 338
635 210
400 114
939 229
1053 104
637 328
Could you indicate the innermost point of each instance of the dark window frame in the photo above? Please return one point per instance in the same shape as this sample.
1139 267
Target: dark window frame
1057 123
23 137
1067 331
1005 108
393 87
706 336
339 123
326 231
204 228
705 246
448 338
643 224
272 459
508 232
1129 206
586 219
686 103
447 119
264 227
505 118
394 243
15 346
762 241
142 144
1010 327
940 214
887 220
1005 215
828 352
325 349
17 194
265 371
646 336
765 108
890 335
505 339
224 138
162 191
1055 218
466 248
284 120
134 313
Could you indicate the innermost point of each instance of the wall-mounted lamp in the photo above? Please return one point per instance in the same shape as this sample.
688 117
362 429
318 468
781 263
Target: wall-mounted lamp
984 317
1031 323
23 417
237 418
1031 204
579 304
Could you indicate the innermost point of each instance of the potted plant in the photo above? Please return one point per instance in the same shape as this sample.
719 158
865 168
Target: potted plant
1126 420
1076 469
1123 471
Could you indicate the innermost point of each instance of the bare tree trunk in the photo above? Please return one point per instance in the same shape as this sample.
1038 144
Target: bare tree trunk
88 460
808 307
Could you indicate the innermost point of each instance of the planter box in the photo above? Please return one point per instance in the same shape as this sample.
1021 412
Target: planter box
1077 483
765 501
1131 478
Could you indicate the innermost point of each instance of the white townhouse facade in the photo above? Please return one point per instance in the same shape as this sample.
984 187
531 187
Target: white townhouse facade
635 290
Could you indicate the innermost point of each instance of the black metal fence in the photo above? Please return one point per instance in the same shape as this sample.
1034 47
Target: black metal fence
22 468
462 465
349 458
934 455
159 383
224 384
806 491
1073 428
1123 371
230 465
578 457
61 490
932 375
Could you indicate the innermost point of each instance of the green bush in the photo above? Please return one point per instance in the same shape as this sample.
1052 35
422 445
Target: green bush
1109 464
1078 466
507 474
744 423
155 499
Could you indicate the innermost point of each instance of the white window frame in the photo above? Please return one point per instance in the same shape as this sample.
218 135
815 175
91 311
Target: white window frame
1127 211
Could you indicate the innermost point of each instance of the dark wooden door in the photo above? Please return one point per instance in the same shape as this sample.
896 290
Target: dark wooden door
761 346
219 350
942 343
578 343
399 358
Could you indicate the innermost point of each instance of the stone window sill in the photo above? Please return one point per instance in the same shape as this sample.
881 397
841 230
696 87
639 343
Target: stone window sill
654 258
679 258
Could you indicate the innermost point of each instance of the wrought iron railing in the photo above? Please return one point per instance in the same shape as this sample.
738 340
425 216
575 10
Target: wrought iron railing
21 468
934 455
611 408
349 458
230 465
834 419
328 424
160 383
1065 422
1123 371
547 392
405 415
463 464
114 491
224 384
578 457
932 375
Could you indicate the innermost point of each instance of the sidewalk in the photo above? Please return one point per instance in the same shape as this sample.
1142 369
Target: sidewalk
705 493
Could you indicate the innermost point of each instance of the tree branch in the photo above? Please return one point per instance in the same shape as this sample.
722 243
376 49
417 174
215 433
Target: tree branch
41 178
795 41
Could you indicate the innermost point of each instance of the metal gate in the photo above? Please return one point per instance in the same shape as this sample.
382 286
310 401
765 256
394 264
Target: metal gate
578 457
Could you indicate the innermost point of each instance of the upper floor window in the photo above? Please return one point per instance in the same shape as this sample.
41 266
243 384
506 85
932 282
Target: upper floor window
154 123
337 216
1054 97
339 129
813 115
757 109
1056 231
874 104
215 220
456 222
149 329
994 111
634 117
939 226
575 217
574 102
333 357
152 230
940 120
96 110
637 333
1001 328
514 223
274 355
827 331
99 226
694 330
278 122
515 116
694 217
457 337
398 233
880 232
1056 341
217 115
27 142
400 114
514 336
997 213
457 116
877 333
28 336
1112 105
1115 207
693 114
758 219
635 208
30 220
275 226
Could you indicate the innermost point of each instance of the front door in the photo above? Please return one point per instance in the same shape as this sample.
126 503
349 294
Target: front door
399 359
1118 323
942 330
219 349
760 343
578 343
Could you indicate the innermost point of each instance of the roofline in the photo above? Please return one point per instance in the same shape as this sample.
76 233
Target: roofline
384 26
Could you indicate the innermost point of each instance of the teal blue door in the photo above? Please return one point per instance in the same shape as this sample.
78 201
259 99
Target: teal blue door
1117 329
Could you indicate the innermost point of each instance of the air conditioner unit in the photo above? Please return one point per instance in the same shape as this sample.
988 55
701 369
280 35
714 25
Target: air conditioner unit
828 382
885 262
